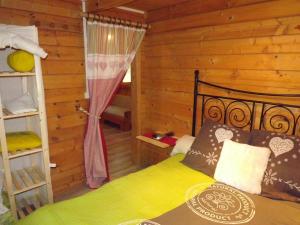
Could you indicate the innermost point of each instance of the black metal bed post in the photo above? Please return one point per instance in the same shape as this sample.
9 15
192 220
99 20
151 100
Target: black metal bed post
195 101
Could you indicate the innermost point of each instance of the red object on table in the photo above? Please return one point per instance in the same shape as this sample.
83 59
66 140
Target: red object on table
168 140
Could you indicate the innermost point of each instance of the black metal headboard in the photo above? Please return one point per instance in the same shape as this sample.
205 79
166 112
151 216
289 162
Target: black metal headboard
246 113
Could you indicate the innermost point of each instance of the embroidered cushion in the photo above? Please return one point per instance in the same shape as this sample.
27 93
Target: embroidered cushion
242 166
282 177
205 151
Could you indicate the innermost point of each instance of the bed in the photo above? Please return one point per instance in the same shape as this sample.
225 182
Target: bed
142 195
171 193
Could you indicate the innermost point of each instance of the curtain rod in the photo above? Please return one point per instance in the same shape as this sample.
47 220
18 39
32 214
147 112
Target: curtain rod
114 20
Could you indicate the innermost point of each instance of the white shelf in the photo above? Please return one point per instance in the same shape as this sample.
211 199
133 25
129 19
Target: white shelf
22 177
21 153
27 179
8 115
16 74
40 184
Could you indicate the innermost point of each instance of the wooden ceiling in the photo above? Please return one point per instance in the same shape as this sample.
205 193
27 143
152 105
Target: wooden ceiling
157 10
143 5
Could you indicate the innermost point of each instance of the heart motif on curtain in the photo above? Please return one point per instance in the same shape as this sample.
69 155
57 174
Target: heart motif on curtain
280 146
90 63
113 64
222 134
103 65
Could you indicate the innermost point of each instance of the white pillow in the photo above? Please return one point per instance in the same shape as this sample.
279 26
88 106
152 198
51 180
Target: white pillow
242 166
183 145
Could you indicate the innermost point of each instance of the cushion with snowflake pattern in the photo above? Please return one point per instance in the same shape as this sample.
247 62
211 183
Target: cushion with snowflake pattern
205 151
282 177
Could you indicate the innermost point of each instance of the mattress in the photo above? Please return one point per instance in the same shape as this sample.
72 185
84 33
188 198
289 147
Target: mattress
146 194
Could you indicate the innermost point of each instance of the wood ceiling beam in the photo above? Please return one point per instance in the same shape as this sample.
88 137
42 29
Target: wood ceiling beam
93 7
148 5
122 14
109 4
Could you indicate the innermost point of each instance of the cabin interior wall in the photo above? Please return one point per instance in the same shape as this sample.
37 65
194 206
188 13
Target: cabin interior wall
250 45
60 34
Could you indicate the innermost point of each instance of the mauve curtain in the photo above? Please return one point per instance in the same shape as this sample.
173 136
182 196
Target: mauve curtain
111 50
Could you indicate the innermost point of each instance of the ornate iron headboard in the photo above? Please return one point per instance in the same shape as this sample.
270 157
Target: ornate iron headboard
246 113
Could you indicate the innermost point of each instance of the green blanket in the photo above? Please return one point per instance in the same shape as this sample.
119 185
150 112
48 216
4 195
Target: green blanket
142 195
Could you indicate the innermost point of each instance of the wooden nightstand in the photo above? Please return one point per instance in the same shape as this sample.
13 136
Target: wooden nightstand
152 151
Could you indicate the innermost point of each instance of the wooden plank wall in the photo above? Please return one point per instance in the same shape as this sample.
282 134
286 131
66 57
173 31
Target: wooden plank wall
60 34
246 44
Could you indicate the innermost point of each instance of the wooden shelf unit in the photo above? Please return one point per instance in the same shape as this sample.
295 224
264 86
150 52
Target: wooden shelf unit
27 172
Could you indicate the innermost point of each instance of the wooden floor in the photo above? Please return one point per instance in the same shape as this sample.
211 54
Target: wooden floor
119 158
119 151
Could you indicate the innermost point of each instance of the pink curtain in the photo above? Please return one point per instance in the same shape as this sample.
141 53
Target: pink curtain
111 50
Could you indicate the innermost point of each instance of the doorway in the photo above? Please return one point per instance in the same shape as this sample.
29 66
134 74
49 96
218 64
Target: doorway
117 124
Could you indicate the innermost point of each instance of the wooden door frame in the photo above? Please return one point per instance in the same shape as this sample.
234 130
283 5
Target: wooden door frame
136 71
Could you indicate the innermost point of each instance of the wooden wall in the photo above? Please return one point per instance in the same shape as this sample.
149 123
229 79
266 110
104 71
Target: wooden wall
246 44
60 34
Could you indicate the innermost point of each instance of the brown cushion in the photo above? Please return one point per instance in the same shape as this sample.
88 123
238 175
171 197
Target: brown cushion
282 176
205 151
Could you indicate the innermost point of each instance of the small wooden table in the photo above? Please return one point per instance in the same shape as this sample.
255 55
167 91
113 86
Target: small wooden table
152 151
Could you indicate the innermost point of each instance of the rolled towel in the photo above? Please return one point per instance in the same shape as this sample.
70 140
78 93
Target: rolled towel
9 39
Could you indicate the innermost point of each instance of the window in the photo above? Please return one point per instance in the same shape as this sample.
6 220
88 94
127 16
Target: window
127 78
125 83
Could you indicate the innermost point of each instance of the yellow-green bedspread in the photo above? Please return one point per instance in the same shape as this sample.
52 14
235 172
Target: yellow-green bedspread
142 195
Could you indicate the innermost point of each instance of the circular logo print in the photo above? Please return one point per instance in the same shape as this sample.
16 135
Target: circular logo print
221 204
139 222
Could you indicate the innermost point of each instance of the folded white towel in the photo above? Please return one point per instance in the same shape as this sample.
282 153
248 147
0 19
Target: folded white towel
9 39
22 104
